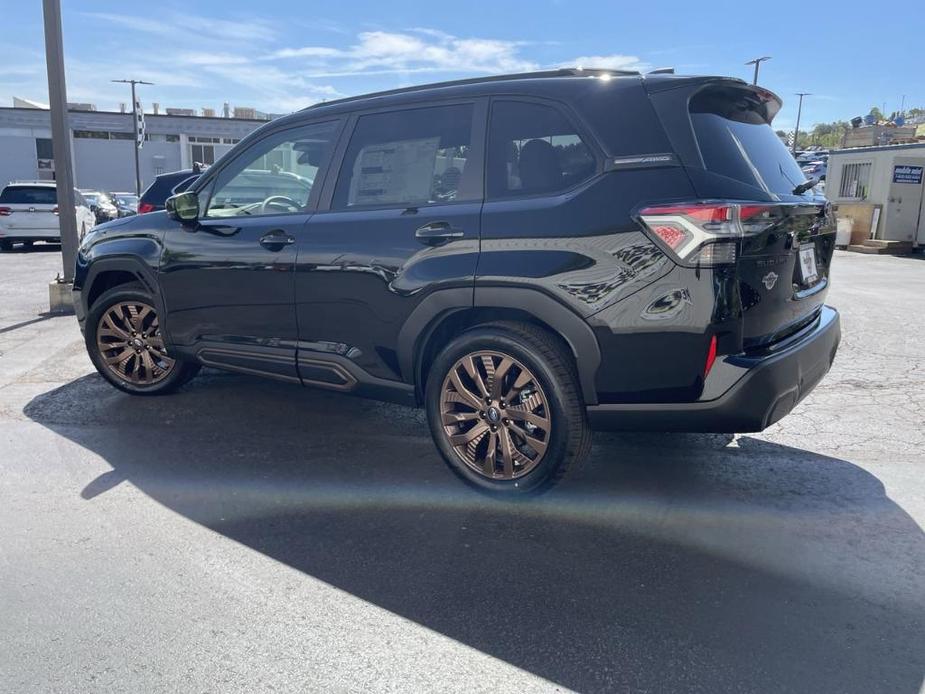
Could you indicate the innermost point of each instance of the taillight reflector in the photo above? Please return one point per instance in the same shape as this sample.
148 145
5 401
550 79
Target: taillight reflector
5 211
55 210
145 207
703 233
711 357
672 236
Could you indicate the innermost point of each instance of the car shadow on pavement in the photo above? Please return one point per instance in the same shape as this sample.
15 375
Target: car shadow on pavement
670 563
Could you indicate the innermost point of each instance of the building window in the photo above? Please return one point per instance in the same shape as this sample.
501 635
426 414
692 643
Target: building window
172 138
121 136
230 140
203 154
855 181
45 159
205 140
43 148
91 134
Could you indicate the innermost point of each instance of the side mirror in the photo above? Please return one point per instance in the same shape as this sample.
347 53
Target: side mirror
183 207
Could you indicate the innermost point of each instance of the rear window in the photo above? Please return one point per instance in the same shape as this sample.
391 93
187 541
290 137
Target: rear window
29 195
736 140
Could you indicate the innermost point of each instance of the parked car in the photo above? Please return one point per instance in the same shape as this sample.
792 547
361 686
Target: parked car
810 156
526 257
815 169
101 205
165 185
29 213
126 203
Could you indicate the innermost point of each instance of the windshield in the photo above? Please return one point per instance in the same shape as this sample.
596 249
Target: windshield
737 141
127 200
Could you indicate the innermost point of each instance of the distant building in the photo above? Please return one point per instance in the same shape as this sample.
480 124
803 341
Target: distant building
102 143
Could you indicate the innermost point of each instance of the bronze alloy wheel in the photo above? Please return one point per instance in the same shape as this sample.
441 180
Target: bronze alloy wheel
128 337
495 415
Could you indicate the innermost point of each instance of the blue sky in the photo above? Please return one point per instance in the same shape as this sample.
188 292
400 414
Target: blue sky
279 56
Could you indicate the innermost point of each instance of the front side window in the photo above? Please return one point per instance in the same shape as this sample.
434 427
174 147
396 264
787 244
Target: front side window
275 175
413 157
534 149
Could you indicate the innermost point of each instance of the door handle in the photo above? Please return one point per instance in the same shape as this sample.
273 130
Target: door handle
276 239
436 233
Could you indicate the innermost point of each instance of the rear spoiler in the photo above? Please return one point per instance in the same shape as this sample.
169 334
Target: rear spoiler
768 101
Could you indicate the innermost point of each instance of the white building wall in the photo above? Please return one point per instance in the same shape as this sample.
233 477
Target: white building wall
109 164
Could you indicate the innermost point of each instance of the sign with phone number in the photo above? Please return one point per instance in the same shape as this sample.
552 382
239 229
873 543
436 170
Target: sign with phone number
907 174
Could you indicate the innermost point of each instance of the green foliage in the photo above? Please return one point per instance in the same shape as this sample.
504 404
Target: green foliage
831 134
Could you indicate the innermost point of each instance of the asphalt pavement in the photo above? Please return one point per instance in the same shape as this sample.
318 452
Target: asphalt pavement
244 535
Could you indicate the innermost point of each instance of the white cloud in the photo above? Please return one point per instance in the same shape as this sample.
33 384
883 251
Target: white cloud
175 25
615 61
417 50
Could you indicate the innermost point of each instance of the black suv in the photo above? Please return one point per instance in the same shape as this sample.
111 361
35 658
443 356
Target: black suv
526 256
165 185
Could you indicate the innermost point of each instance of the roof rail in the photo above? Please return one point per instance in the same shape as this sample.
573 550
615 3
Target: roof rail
561 72
661 71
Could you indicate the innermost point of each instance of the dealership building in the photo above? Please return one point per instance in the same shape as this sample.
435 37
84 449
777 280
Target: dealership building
102 143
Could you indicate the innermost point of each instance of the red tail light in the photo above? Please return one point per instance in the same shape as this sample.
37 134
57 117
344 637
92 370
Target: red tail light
55 210
711 357
145 207
704 233
5 211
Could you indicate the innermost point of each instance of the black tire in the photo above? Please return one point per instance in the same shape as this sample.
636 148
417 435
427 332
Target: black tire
569 440
6 246
182 371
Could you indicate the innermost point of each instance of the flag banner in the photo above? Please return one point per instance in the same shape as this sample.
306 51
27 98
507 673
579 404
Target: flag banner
139 125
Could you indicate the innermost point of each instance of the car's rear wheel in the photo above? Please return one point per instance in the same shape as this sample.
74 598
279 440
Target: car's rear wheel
126 345
505 409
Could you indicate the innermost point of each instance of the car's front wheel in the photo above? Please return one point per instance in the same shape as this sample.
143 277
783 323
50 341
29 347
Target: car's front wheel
505 409
125 343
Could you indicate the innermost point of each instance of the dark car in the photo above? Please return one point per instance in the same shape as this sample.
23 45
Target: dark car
165 185
526 257
102 205
126 203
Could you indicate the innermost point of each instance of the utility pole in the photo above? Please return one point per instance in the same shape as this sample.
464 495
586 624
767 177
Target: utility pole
61 145
757 62
135 127
796 132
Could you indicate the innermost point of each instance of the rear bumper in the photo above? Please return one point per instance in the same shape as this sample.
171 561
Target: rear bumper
20 235
769 387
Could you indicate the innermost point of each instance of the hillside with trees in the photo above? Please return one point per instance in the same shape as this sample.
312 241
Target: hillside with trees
830 134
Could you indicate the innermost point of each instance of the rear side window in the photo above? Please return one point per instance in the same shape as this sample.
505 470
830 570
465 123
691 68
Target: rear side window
736 140
412 157
534 149
29 195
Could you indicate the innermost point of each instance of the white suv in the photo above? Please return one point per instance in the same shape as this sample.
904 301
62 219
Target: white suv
29 213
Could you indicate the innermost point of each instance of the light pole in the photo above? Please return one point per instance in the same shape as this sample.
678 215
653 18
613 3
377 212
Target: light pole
757 62
135 125
61 144
796 131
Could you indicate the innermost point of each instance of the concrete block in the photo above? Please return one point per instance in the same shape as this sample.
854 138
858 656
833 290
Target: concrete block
60 298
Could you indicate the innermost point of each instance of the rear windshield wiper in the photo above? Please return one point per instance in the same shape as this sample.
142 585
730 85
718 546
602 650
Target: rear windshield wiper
803 187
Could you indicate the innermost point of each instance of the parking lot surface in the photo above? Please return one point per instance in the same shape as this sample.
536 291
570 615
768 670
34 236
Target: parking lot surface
244 535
